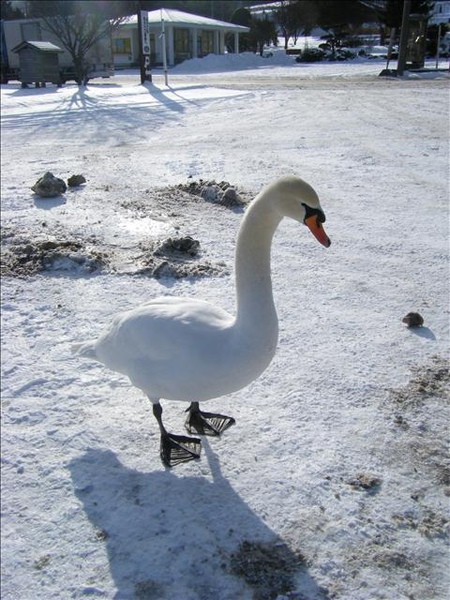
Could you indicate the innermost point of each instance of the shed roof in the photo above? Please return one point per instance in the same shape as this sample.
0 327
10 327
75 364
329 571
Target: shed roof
178 17
41 46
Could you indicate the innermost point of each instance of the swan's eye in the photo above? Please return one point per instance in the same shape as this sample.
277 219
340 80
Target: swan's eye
311 212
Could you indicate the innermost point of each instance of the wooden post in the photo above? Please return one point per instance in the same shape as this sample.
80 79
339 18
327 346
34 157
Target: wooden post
403 38
438 44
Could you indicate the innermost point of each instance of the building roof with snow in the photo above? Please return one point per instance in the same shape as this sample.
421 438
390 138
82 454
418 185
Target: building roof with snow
41 46
180 18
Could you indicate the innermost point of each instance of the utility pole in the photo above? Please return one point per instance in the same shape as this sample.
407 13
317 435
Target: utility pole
403 38
164 48
144 44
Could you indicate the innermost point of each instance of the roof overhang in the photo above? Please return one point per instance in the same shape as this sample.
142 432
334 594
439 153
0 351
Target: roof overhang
179 18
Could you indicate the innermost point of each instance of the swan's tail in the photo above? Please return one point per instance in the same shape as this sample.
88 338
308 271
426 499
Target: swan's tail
85 349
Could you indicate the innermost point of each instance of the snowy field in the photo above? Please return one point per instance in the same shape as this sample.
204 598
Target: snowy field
334 482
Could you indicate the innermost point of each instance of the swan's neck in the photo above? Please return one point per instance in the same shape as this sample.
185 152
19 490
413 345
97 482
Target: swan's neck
255 305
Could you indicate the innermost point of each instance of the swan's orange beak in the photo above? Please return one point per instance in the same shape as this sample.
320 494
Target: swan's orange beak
316 228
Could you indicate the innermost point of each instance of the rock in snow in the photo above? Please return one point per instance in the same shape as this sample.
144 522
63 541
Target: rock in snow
49 186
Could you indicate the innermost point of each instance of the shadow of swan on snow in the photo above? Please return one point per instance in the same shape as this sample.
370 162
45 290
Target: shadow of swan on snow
169 536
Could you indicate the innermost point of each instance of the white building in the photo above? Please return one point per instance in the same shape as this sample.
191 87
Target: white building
187 36
441 13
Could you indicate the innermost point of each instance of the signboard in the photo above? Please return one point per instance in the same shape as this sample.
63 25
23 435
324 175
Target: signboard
145 33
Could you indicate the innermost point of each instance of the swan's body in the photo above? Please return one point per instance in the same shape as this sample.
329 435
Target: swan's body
195 352
191 350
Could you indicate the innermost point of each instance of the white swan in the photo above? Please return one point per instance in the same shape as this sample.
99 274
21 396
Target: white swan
191 350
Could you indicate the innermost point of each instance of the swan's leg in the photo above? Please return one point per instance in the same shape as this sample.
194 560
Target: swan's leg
175 449
206 423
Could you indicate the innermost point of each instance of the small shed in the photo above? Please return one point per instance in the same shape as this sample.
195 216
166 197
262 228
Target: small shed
39 63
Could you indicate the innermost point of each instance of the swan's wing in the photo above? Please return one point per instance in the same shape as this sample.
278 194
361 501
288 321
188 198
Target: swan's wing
162 330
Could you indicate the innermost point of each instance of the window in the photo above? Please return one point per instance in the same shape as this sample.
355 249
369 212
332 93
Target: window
181 41
31 31
207 42
121 45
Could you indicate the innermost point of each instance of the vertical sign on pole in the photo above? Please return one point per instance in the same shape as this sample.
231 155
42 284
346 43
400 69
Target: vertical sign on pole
144 46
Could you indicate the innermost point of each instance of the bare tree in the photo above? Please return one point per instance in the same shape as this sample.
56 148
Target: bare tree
8 11
295 16
79 26
390 12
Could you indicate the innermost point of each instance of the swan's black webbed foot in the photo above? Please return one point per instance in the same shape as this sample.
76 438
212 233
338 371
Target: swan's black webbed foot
205 423
176 449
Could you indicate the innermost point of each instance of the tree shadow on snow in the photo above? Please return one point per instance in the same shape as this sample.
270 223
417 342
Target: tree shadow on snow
82 99
169 536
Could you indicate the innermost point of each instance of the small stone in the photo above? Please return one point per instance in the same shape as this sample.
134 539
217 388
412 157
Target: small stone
231 197
184 245
212 193
76 180
364 481
101 535
413 319
42 562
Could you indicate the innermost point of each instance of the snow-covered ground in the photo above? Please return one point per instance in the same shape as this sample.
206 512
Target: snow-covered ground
334 482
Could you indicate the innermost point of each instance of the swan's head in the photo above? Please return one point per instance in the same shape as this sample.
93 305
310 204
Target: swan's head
296 199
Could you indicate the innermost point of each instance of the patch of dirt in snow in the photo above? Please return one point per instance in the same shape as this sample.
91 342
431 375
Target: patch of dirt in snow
427 381
175 257
405 516
270 569
148 590
399 522
24 255
221 192
55 248
170 199
420 412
